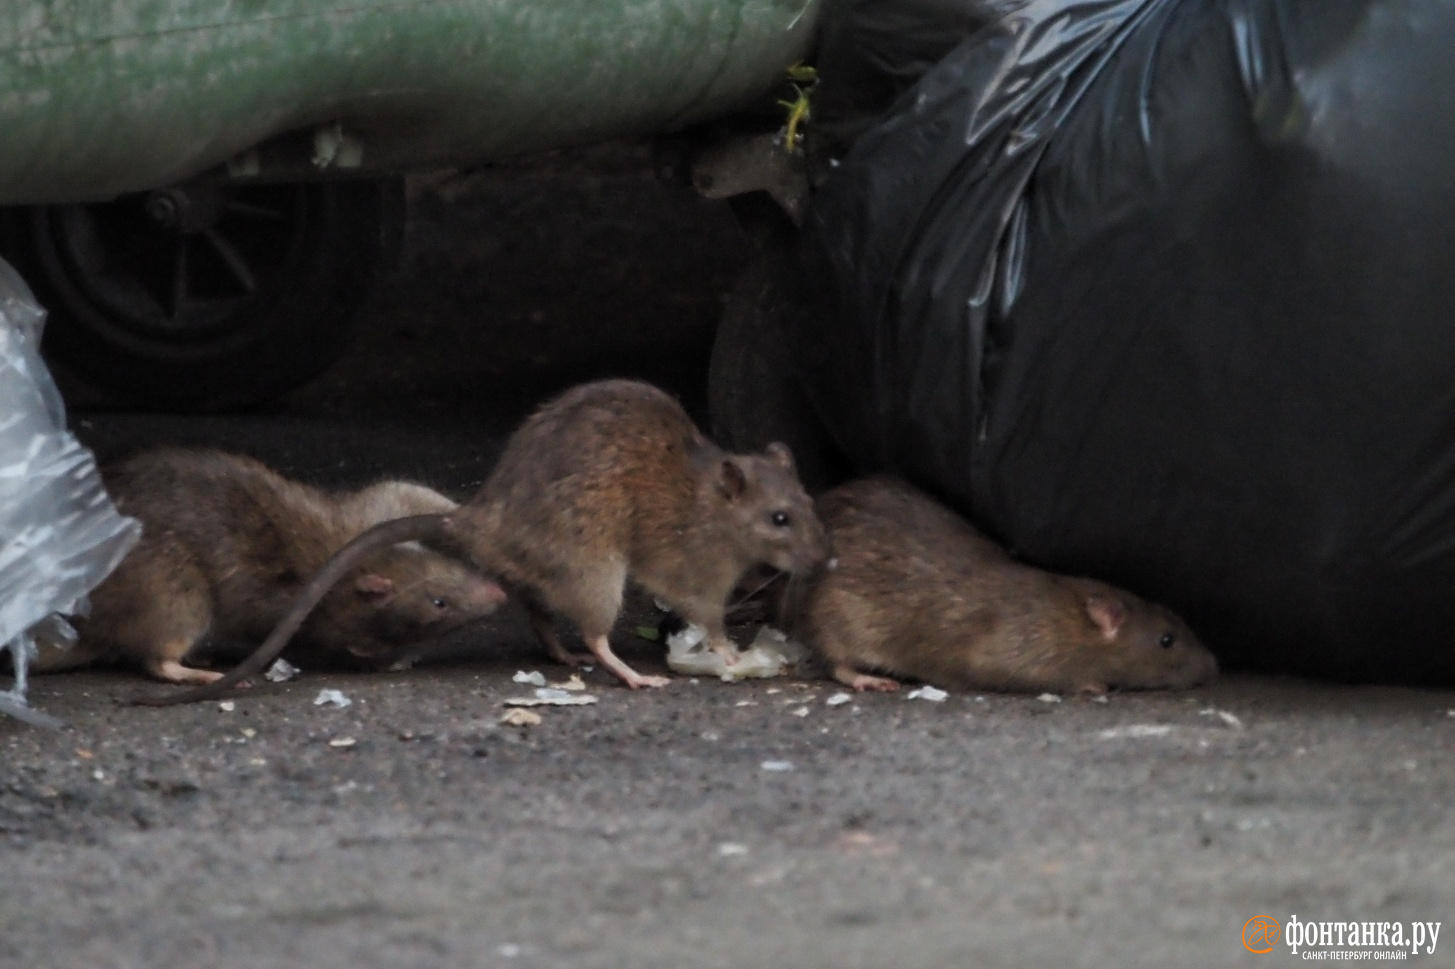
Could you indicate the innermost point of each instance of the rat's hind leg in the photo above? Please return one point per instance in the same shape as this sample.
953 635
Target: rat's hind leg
157 611
173 671
849 676
601 648
842 659
172 636
594 601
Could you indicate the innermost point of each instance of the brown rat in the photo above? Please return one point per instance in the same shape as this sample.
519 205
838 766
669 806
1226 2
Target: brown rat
226 545
609 480
919 593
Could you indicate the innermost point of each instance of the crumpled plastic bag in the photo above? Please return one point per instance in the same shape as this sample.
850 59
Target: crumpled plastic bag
1156 291
60 535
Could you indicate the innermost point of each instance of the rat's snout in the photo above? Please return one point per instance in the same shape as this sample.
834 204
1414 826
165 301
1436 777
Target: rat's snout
817 548
487 596
473 599
813 550
1199 666
824 555
1209 666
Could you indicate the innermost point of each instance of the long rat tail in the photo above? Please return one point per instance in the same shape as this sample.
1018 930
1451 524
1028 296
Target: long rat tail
416 528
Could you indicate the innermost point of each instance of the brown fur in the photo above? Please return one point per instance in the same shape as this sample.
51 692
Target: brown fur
612 480
919 593
608 481
226 545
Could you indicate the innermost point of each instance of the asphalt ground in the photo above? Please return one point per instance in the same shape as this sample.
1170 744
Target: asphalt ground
704 824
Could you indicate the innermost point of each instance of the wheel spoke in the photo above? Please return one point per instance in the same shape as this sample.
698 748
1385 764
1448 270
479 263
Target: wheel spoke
83 239
254 211
233 260
179 278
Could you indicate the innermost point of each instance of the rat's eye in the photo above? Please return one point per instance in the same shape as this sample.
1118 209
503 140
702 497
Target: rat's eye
1167 640
779 518
442 604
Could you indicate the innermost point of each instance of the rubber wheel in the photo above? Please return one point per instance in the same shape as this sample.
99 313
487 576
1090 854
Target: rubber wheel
220 312
754 394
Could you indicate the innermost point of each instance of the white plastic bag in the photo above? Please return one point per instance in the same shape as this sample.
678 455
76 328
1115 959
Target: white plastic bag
60 535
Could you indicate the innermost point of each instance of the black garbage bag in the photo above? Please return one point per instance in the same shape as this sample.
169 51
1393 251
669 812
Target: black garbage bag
1163 291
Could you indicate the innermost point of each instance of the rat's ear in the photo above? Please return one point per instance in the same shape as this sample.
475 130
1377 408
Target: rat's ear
1107 612
779 453
374 588
732 481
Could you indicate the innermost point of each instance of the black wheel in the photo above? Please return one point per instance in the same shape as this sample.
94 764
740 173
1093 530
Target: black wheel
207 297
753 392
